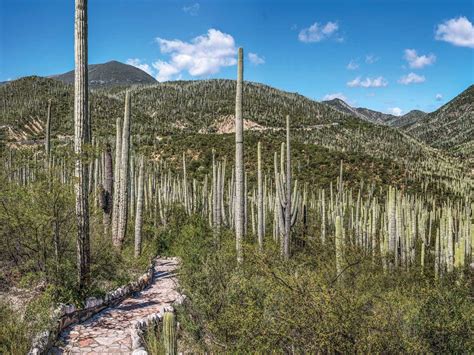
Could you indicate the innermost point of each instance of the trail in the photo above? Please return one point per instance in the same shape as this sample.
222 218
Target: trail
108 332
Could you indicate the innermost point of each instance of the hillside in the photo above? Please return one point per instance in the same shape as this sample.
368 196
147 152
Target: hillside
375 116
450 127
108 74
408 118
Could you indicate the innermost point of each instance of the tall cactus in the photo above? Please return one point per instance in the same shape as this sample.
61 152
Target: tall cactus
80 138
139 213
286 244
339 241
47 140
260 220
107 191
169 334
124 175
116 193
239 209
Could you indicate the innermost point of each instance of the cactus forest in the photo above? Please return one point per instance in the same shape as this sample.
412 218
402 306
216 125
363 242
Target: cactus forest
143 213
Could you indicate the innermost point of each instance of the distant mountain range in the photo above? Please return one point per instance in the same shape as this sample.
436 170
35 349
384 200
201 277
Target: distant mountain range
200 105
109 74
375 116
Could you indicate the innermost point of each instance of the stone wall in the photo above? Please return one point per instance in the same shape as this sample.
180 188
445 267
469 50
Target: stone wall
67 314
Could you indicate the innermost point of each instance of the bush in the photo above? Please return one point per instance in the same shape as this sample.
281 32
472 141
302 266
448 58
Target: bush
268 305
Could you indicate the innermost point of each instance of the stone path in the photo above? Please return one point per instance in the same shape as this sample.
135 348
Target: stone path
108 332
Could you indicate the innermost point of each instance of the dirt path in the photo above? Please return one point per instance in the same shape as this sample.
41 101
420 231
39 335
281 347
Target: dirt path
108 332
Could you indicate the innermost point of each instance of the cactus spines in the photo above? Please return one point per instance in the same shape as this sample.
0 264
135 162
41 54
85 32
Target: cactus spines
169 334
260 220
138 214
80 138
239 208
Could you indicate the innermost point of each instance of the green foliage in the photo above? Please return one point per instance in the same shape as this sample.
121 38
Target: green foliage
13 332
297 306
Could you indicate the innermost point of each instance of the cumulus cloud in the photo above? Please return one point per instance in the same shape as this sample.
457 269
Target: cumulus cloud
353 65
138 63
417 62
458 31
318 32
192 10
396 111
370 59
368 82
439 97
411 78
203 55
255 59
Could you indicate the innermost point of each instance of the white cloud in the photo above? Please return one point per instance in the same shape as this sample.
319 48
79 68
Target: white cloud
439 97
137 63
353 65
203 55
417 62
370 59
368 82
411 78
396 111
317 32
192 10
458 31
336 95
255 59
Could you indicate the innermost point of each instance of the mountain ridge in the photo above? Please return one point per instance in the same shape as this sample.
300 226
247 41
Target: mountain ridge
111 73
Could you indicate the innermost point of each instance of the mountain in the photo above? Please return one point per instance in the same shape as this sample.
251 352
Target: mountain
109 74
375 116
344 107
408 118
451 127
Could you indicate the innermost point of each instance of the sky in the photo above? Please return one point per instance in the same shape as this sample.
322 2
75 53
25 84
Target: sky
390 56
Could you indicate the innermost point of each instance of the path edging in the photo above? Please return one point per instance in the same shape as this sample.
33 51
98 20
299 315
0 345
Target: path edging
154 320
66 314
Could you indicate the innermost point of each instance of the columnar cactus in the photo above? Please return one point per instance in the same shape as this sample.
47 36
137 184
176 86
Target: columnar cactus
260 220
116 189
169 334
239 208
47 140
80 138
339 245
124 175
107 191
139 213
286 244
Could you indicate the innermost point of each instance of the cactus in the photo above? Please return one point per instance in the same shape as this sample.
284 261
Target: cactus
239 209
139 213
107 191
47 140
116 188
286 244
339 245
260 220
169 334
124 175
81 136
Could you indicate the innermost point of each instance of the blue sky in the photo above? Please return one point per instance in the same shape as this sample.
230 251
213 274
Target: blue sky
403 55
